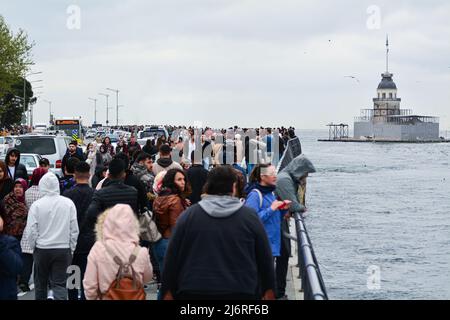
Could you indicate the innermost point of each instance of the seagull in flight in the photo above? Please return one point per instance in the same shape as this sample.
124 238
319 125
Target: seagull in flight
353 77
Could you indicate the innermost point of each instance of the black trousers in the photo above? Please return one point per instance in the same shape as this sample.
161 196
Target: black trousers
50 267
80 260
153 259
282 262
27 269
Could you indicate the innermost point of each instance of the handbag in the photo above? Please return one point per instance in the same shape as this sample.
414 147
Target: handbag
148 231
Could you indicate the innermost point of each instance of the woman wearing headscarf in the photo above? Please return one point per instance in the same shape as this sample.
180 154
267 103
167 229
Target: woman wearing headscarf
14 211
6 184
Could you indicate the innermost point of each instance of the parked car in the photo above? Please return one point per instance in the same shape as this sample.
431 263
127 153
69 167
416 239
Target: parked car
151 133
51 147
40 128
30 161
5 143
91 134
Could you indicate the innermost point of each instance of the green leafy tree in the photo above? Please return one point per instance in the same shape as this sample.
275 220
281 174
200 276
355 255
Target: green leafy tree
15 56
12 108
15 61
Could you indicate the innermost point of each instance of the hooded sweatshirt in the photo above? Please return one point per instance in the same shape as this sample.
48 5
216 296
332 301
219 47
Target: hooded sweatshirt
19 170
117 235
288 181
165 164
219 247
52 220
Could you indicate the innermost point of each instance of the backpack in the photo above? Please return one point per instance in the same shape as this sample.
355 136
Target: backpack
125 286
260 197
148 230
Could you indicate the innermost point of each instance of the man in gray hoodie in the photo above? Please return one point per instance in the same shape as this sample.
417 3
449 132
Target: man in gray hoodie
219 249
52 231
288 183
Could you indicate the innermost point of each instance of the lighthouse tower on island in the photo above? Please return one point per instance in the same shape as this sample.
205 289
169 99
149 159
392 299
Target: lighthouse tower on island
387 121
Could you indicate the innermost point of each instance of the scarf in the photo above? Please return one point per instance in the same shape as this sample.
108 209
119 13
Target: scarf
38 173
15 216
263 189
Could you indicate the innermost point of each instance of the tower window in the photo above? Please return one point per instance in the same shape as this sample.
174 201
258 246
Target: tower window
384 95
390 95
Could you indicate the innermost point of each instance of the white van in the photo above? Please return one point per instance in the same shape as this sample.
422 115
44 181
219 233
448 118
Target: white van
40 128
51 147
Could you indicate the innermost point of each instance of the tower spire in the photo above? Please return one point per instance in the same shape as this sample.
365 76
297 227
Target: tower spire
387 53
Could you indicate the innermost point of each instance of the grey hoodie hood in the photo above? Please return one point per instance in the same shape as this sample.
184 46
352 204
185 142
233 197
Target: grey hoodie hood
220 206
49 185
298 167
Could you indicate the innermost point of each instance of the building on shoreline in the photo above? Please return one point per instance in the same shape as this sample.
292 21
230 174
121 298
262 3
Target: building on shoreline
387 121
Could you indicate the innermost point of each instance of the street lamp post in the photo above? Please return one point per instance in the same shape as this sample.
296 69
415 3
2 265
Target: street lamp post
25 91
30 111
107 106
95 109
117 103
49 110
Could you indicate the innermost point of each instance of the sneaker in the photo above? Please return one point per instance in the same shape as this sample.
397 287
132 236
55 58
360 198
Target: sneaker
24 287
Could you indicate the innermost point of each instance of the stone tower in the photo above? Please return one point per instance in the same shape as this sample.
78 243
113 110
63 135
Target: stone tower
386 103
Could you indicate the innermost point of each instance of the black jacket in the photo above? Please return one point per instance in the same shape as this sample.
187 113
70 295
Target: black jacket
132 148
114 192
197 178
218 255
152 150
133 181
81 195
21 170
8 186
66 157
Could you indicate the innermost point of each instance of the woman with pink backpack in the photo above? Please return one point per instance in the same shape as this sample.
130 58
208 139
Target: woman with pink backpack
117 266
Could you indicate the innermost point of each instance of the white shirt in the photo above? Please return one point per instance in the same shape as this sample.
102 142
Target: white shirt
11 170
191 148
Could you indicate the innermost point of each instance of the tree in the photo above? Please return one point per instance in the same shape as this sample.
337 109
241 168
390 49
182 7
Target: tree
15 61
15 56
12 108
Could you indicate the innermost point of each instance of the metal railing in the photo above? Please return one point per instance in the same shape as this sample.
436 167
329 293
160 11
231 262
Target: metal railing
313 285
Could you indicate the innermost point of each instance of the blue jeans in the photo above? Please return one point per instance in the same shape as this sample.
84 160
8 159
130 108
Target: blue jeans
159 250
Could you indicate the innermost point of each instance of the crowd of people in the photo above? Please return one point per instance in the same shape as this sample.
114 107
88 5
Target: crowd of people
220 213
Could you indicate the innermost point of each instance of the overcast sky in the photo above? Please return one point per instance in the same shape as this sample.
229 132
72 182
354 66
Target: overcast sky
244 62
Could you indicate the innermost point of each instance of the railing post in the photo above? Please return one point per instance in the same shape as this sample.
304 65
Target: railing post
312 282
